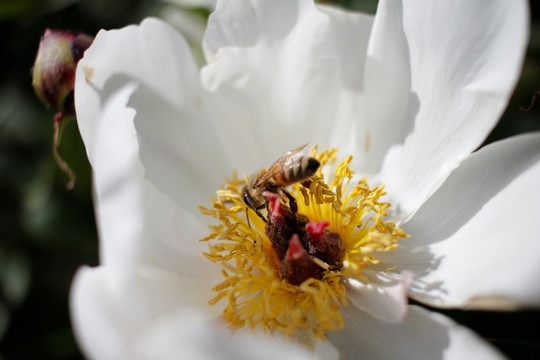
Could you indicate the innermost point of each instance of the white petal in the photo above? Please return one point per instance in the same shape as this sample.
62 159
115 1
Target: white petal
118 52
390 105
117 183
176 142
185 335
95 322
240 23
137 223
109 321
139 226
423 335
351 32
459 89
279 74
145 323
475 242
385 300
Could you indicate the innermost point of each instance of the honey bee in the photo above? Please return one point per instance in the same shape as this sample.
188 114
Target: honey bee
290 168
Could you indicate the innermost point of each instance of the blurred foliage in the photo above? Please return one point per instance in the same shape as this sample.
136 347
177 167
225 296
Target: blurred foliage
47 232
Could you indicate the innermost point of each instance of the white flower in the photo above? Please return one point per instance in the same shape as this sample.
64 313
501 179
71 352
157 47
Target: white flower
410 93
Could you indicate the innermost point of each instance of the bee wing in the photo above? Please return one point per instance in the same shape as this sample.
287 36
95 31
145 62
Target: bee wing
294 151
276 167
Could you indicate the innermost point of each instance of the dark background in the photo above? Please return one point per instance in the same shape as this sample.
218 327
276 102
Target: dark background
46 233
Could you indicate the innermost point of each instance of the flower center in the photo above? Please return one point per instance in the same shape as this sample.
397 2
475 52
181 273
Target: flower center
285 271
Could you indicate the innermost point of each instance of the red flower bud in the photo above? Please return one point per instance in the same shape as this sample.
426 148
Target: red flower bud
54 69
53 80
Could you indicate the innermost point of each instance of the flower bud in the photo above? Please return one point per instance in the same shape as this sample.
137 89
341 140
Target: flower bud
53 79
53 75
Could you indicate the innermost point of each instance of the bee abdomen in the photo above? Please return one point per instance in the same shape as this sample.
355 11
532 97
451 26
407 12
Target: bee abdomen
302 168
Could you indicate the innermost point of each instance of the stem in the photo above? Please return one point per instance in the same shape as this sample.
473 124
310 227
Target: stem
533 101
58 117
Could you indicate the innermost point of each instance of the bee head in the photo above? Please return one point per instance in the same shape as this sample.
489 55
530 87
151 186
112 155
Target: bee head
248 199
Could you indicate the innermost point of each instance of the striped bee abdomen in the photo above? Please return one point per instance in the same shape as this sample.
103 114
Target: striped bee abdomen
301 168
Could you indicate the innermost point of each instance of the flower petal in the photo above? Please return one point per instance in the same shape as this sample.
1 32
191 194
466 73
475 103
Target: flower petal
459 89
95 322
351 32
474 243
117 194
137 223
280 73
186 335
171 115
389 102
385 300
423 335
146 323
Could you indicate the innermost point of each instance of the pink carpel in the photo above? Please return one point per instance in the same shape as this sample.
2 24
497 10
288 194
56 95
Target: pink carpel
316 230
275 203
296 249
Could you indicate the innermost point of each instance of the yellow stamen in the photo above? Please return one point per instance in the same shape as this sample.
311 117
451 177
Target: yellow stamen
255 294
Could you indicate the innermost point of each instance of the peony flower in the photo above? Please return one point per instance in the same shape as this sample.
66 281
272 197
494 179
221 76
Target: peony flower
405 96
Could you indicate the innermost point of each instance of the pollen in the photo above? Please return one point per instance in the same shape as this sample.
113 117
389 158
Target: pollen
345 220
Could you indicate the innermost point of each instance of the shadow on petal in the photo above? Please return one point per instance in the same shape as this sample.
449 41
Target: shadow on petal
366 337
478 179
423 335
464 195
178 147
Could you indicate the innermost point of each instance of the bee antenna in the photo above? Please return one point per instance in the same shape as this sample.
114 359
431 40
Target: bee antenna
247 217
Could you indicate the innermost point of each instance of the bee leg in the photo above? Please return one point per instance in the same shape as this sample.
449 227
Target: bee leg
292 201
258 212
307 183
